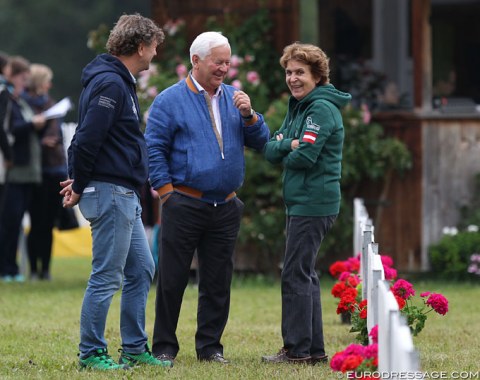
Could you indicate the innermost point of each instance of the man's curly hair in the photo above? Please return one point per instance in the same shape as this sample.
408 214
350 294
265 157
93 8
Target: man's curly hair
130 31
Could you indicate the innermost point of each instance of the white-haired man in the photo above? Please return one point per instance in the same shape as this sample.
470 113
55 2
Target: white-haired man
196 133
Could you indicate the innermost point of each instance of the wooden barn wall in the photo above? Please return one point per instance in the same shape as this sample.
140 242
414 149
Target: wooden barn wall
411 214
451 161
284 13
396 207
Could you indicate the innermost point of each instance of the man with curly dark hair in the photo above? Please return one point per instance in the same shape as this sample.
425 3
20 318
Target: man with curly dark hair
107 166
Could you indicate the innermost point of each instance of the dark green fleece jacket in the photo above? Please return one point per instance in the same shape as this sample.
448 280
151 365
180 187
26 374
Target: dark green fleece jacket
311 175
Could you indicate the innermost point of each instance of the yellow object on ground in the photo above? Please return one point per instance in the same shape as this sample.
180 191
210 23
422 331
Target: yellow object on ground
72 243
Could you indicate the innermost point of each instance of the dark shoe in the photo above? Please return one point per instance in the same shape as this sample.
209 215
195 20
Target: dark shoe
216 357
282 357
316 359
165 358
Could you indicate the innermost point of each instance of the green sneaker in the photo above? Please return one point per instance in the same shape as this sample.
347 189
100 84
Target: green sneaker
102 361
145 357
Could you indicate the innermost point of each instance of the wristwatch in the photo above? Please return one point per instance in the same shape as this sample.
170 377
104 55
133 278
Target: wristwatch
252 112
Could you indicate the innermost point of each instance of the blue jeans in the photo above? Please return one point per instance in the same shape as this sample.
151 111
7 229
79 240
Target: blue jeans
302 326
121 258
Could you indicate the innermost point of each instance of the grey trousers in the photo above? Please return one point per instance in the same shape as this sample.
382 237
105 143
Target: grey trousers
302 326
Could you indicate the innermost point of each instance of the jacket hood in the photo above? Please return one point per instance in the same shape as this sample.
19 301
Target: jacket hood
105 63
328 92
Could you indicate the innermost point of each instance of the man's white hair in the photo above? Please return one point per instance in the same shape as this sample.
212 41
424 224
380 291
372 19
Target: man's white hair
205 42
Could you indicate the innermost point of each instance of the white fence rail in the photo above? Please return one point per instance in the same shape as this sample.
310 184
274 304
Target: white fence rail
396 352
360 216
375 274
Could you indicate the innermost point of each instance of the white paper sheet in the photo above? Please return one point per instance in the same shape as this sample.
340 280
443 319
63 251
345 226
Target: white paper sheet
59 110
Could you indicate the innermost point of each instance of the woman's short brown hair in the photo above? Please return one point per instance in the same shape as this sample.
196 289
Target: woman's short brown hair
310 55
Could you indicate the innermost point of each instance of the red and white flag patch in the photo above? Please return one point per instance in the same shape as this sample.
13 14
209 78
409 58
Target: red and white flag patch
309 137
311 131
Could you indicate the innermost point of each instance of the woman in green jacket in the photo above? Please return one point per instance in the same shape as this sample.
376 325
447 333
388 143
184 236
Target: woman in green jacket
309 146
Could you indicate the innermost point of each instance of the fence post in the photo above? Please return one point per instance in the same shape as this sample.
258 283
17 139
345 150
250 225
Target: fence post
376 274
360 217
404 357
367 239
387 305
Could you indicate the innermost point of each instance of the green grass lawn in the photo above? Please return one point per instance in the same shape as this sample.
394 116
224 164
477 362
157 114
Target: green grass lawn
39 331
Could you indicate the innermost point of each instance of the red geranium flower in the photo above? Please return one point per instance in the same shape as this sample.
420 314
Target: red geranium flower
438 303
386 260
337 361
403 289
337 268
390 273
351 362
401 302
352 280
353 264
374 334
338 289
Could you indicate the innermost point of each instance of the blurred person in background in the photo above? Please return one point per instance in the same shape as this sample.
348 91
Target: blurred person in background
25 172
47 201
5 150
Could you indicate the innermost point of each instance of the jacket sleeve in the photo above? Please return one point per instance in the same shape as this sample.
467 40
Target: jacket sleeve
257 134
4 144
159 134
100 115
275 151
317 125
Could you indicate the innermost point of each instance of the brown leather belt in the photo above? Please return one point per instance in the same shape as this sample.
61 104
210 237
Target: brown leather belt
194 193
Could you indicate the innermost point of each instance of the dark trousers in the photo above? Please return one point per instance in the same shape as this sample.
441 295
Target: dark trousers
302 326
16 200
43 211
188 224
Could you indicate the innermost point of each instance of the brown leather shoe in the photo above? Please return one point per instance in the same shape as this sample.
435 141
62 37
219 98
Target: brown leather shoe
217 357
316 359
282 357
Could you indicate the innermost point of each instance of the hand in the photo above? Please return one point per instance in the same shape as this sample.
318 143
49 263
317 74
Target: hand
295 144
50 141
70 198
65 184
39 121
242 102
279 137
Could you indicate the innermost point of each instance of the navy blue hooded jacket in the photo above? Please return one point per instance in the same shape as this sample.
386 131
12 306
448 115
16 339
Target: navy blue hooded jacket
108 145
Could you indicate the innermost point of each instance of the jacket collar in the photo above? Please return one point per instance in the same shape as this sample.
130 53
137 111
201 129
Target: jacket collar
191 84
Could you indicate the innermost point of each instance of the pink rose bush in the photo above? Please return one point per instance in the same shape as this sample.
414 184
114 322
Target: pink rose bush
474 266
